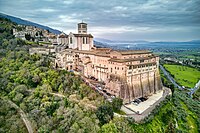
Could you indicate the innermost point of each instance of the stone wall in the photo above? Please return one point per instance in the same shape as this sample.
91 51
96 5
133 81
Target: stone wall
142 85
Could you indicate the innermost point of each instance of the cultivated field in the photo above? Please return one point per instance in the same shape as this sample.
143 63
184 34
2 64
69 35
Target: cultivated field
185 76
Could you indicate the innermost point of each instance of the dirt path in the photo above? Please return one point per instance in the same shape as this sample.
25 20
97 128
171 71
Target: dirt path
23 116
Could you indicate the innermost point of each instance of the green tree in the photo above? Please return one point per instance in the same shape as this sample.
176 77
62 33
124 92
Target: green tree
104 113
171 128
109 128
28 37
117 104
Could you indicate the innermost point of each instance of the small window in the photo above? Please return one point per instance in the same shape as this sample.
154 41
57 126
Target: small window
83 40
86 40
70 40
141 61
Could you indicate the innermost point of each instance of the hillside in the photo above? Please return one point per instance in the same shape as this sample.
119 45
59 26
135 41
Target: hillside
26 22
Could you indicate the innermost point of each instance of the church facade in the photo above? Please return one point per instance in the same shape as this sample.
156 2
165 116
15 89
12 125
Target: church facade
82 40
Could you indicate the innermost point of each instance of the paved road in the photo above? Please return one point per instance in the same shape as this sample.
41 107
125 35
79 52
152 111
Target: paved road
170 78
193 90
89 83
23 116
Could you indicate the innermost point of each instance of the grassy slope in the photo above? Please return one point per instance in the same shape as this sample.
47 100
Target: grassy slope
156 125
191 119
159 124
185 76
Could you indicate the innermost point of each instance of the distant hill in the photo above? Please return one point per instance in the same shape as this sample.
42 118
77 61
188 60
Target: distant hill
100 44
102 40
25 22
154 46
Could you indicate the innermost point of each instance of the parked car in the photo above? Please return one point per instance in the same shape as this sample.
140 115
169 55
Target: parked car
137 101
142 99
108 94
92 77
112 96
100 88
104 91
134 103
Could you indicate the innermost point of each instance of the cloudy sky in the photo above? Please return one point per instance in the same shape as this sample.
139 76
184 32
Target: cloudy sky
153 20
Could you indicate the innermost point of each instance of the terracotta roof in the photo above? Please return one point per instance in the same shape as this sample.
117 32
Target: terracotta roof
103 49
88 62
130 52
101 67
85 52
103 54
83 35
130 59
62 36
52 37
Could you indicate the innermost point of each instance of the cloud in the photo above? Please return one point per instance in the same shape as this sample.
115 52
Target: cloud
68 2
120 8
68 19
46 10
113 18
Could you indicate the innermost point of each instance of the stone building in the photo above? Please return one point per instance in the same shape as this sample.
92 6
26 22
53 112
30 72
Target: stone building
127 74
62 39
53 39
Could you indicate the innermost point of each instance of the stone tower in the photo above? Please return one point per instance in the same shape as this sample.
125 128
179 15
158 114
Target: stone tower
82 28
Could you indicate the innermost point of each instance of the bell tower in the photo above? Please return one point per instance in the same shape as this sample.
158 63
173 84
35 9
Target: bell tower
82 28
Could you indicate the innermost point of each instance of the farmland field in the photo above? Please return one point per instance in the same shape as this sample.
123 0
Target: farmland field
185 76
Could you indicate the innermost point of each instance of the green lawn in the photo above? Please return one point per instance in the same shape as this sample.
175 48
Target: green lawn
185 76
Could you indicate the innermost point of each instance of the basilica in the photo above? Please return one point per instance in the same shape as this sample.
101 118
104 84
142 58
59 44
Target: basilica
127 74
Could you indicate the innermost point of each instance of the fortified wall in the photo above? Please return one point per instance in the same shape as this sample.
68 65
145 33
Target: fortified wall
142 85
